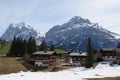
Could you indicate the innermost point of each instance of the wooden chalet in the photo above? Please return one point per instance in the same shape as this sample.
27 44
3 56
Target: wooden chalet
110 54
45 58
78 58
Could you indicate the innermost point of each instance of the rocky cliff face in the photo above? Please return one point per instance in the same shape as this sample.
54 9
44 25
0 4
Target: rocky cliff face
22 30
74 35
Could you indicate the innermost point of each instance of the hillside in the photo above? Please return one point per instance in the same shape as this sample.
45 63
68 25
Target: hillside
10 65
4 48
79 73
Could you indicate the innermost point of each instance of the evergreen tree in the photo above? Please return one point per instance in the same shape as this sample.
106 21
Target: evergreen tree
13 48
118 46
31 46
18 47
24 47
43 46
90 54
52 48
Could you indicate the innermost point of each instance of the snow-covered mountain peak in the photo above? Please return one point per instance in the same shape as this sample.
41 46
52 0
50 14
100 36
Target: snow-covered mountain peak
75 22
78 19
21 30
74 34
22 25
75 18
11 25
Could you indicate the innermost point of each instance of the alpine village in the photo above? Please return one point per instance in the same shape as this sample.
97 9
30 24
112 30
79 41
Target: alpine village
57 50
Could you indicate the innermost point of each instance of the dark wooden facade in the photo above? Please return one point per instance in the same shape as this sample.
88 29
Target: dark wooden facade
45 58
78 59
110 54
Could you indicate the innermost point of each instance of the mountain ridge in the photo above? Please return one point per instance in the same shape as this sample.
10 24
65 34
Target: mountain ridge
22 30
71 35
74 34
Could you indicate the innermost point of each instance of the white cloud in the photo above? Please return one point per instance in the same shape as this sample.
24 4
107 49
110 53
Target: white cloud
46 13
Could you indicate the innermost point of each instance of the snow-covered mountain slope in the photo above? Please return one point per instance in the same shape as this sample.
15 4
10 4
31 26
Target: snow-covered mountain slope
80 73
74 35
21 30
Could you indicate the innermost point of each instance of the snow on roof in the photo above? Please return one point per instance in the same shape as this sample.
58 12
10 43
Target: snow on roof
43 53
78 54
111 49
108 49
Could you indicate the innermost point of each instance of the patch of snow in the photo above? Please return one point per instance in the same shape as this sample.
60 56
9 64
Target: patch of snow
72 42
20 25
117 36
23 33
74 19
82 25
41 34
79 45
103 65
61 44
63 37
95 25
102 70
29 27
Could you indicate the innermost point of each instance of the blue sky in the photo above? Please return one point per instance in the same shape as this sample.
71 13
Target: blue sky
44 14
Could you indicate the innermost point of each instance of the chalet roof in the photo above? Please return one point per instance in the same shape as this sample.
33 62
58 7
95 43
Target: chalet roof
44 53
108 49
111 49
78 54
117 49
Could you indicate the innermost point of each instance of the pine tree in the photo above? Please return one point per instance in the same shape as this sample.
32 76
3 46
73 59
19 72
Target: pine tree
24 47
31 46
18 47
52 48
34 45
118 46
43 46
12 48
90 54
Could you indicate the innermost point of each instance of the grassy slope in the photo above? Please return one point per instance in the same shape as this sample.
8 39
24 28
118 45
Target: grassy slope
10 65
4 49
59 51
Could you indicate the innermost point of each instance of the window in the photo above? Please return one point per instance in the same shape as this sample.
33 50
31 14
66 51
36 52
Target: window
37 58
74 58
36 64
41 58
83 59
113 56
53 57
46 58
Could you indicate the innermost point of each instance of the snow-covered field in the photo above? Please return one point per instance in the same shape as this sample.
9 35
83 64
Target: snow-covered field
102 70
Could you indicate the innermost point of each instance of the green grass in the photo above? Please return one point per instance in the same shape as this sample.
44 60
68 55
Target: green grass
4 48
115 78
59 51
